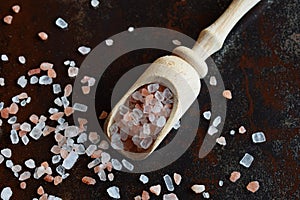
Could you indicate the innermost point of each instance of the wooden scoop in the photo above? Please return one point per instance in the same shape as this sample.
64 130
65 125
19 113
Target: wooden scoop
182 73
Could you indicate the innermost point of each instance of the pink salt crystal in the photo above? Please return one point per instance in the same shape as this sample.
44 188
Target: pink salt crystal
103 115
45 66
170 196
44 197
34 71
51 73
8 19
94 137
227 94
55 149
16 126
156 189
138 197
242 130
43 35
40 191
13 109
86 89
235 176
144 92
23 185
47 130
177 178
5 113
48 178
88 180
198 188
56 116
45 164
16 8
64 153
23 95
97 169
68 90
34 118
69 111
96 154
145 195
57 180
253 186
22 133
109 166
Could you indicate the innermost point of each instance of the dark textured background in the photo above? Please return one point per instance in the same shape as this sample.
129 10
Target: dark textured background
259 63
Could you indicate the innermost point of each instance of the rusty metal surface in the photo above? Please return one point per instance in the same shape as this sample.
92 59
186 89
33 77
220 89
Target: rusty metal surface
259 63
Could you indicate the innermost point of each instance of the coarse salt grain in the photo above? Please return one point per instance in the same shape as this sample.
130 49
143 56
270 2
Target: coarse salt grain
253 186
95 3
145 195
247 160
234 176
4 57
227 94
198 188
156 189
22 81
6 152
212 130
109 42
8 19
2 83
177 178
213 81
207 115
130 29
22 60
61 23
242 130
168 182
43 35
16 8
114 192
258 137
144 179
84 50
6 193
88 180
176 42
221 141
170 196
73 71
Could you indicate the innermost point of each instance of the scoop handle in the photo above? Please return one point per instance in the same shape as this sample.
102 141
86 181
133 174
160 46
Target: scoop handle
212 38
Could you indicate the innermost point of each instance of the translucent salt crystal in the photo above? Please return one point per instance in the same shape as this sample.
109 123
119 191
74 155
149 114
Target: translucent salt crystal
82 138
123 109
84 50
146 129
22 60
14 137
61 23
258 137
131 29
213 81
153 87
30 163
103 144
15 99
198 188
6 193
25 139
6 152
102 175
109 42
144 179
9 164
110 176
80 107
232 132
116 164
34 80
127 165
217 121
25 127
105 157
71 131
23 103
242 130
205 195
212 130
177 178
65 102
2 83
56 159
94 163
161 121
146 142
24 176
12 120
45 80
39 172
170 196
123 135
247 160
137 95
221 183
60 170
207 115
4 57
113 129
36 133
169 182
221 141
167 93
70 160
90 150
56 88
22 81
1 105
73 71
80 149
1 159
58 101
177 125
138 113
95 3
159 96
114 192
176 42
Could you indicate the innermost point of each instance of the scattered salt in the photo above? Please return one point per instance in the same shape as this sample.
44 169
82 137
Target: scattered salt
45 80
80 107
61 23
34 80
247 160
221 140
212 130
177 178
22 81
253 186
242 130
234 176
169 182
130 29
70 160
114 192
156 189
109 42
221 183
176 42
144 179
2 83
14 137
4 57
95 3
232 132
30 163
84 50
205 195
207 115
116 164
198 188
24 176
170 196
22 60
6 193
217 121
213 81
73 71
6 152
258 137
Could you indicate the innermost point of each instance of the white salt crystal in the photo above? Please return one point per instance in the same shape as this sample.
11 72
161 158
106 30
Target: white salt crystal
123 109
232 132
207 115
58 102
82 138
105 157
221 141
1 159
30 163
1 121
65 101
56 88
22 81
109 42
36 133
34 80
61 23
95 162
2 83
212 130
25 139
221 183
159 96
110 176
6 152
137 95
198 188
153 87
90 150
114 192
169 182
116 164
25 127
161 121
56 159
213 81
1 105
72 63
130 29
60 170
22 60
84 50
127 165
144 179
15 99
6 193
45 80
258 137
39 172
217 121
4 57
146 142
9 164
71 131
80 107
73 71
170 196
177 125
24 176
103 144
14 137
176 42
247 160
205 195
67 62
146 129
70 160
95 3
12 120
102 175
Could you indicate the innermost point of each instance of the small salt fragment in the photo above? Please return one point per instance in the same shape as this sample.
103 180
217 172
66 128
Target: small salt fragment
198 188
145 195
232 132
56 159
90 150
23 185
65 102
2 83
14 137
130 29
8 19
45 80
35 133
22 60
6 193
221 141
103 115
177 178
127 165
177 125
56 88
84 50
1 159
253 186
6 152
22 81
73 71
25 139
153 87
205 195
72 63
156 189
110 176
105 157
258 137
67 62
12 120
109 42
61 23
16 8
86 89
102 175
34 80
217 121
57 180
30 163
4 57
114 192
80 107
161 121
247 160
43 35
169 182
221 183
207 115
70 160
40 190
95 3
213 81
176 42
242 130
25 127
212 130
88 180
9 164
170 196
16 168
235 176
60 170
227 94
144 179
116 164
71 131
